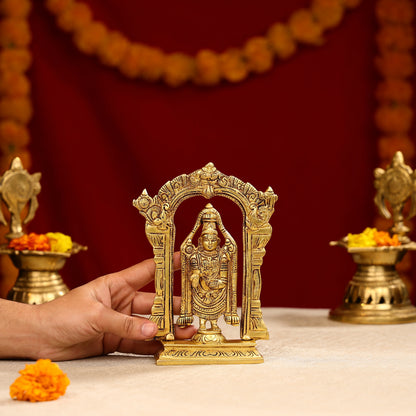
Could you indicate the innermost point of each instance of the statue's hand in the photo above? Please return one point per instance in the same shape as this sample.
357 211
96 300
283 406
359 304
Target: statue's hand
194 279
184 320
232 319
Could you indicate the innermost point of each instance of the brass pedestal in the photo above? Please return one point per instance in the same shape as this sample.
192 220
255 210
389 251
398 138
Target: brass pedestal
227 352
38 280
376 294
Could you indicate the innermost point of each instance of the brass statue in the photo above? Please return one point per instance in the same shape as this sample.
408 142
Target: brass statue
209 276
376 294
209 269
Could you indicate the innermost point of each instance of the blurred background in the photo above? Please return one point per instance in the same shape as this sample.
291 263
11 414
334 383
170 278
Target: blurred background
305 127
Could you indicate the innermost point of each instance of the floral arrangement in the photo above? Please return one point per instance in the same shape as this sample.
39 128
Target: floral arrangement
371 237
39 382
15 60
54 242
207 67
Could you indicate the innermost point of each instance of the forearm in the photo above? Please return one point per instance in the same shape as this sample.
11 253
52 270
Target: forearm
19 330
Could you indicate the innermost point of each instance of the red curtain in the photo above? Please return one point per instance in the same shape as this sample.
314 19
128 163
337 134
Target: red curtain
305 128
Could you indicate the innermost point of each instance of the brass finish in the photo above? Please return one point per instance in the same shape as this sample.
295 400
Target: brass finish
38 280
209 269
376 294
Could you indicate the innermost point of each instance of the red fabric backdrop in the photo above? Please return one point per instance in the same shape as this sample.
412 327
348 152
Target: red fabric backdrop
305 128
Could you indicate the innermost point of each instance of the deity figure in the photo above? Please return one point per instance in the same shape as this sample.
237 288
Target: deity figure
209 275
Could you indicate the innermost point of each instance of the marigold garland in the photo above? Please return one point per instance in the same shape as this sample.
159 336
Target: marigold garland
207 68
39 382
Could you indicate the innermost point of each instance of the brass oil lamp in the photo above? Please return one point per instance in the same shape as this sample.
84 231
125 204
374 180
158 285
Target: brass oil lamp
376 294
38 280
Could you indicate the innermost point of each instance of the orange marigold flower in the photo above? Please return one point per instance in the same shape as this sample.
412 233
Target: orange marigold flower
388 146
394 119
17 60
12 136
130 63
350 4
395 37
112 50
152 64
395 11
281 40
233 65
179 68
304 28
394 90
383 238
32 241
18 109
14 84
258 54
58 6
89 38
15 8
14 33
327 12
74 17
42 381
395 64
207 65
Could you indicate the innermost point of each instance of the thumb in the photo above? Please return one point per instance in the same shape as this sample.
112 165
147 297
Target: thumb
126 326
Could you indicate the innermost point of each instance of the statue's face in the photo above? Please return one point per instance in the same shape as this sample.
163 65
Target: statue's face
209 241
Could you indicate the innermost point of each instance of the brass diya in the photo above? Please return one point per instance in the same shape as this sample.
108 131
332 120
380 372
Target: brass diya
376 294
209 268
38 280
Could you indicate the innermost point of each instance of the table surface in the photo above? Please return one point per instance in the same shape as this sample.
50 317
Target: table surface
312 366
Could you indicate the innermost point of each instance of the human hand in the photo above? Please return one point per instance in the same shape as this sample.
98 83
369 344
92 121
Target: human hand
96 318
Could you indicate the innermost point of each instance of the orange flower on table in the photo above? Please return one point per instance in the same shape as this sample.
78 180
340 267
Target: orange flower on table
304 27
258 54
281 40
207 68
395 37
14 33
395 11
395 64
89 38
394 119
42 381
394 90
233 66
179 68
74 17
16 60
15 8
112 49
32 241
328 13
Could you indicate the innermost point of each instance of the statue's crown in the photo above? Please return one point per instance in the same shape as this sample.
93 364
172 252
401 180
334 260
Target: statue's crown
209 214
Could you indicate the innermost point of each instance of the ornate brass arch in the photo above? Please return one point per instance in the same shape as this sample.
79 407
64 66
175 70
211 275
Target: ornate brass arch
257 208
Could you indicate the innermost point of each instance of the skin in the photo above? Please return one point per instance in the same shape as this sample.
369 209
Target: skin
94 319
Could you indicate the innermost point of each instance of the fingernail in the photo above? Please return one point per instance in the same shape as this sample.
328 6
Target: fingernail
149 329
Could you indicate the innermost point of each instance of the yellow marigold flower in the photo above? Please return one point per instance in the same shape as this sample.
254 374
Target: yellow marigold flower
15 8
281 40
233 65
12 136
179 68
112 49
14 84
258 54
364 239
16 60
59 242
304 28
74 17
14 33
18 109
42 381
58 6
89 38
207 65
328 13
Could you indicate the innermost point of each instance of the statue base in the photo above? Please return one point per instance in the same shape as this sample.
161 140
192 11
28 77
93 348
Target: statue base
190 353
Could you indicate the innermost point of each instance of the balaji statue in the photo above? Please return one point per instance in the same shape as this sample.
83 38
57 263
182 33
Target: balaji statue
209 276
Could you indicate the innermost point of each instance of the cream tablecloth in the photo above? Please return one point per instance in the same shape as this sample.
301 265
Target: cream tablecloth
312 366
